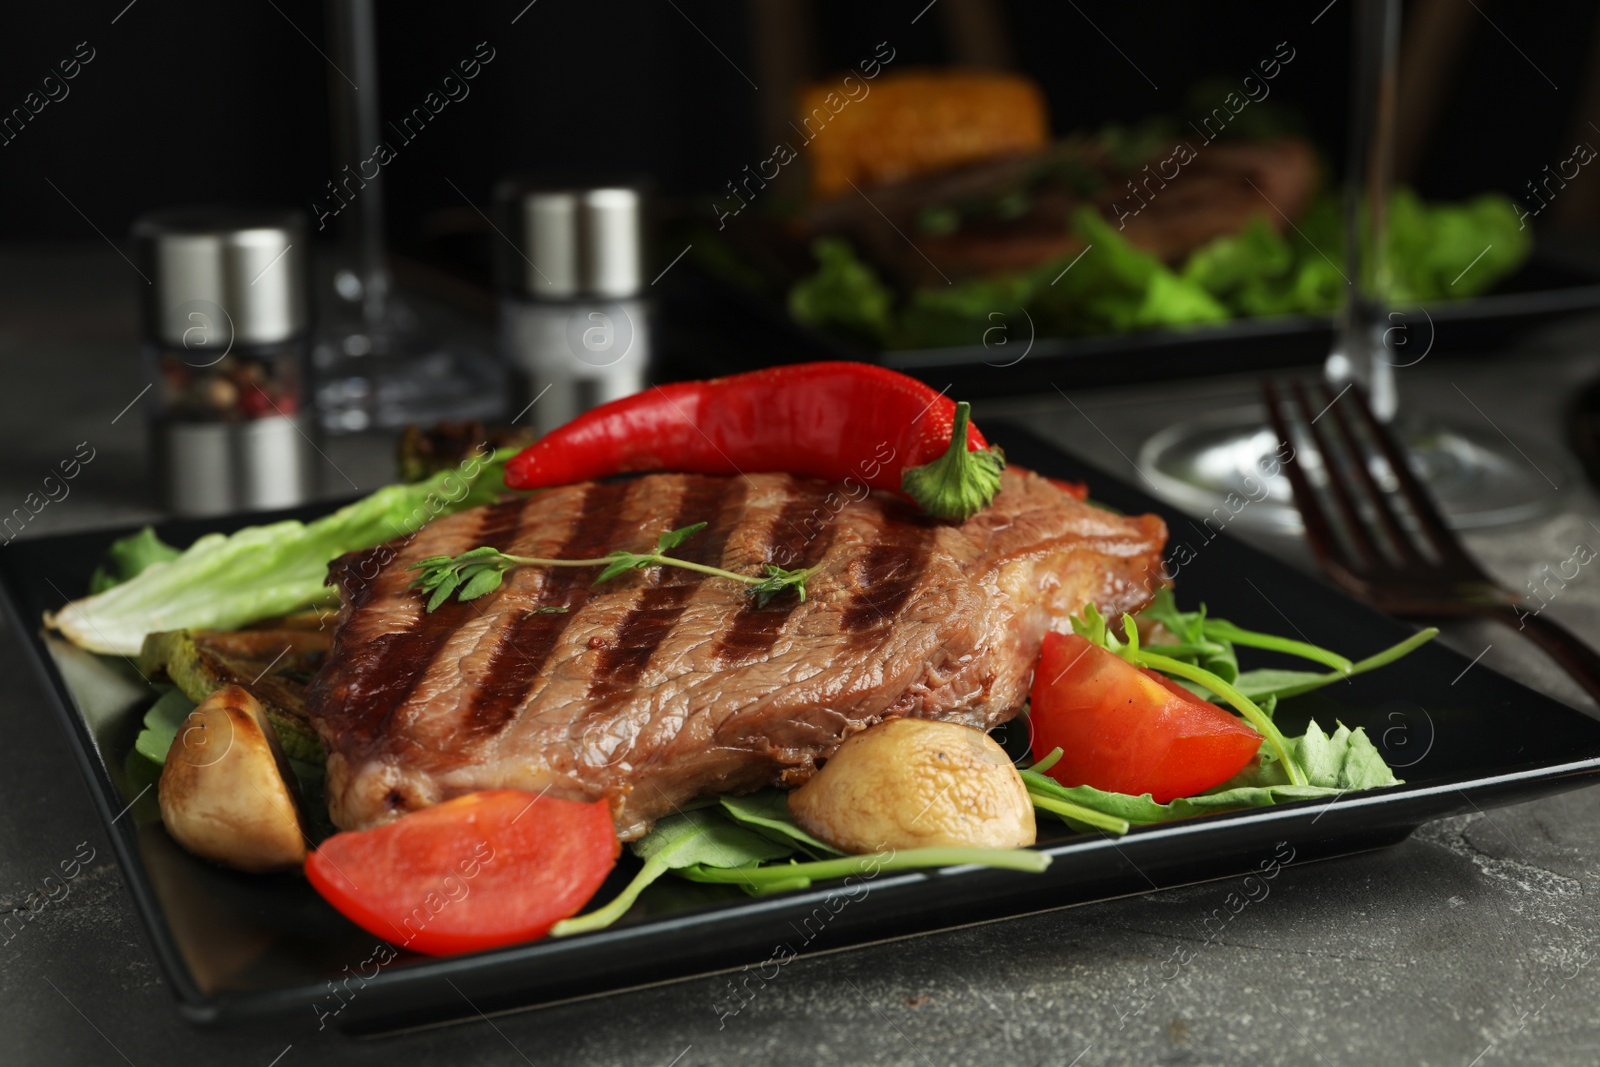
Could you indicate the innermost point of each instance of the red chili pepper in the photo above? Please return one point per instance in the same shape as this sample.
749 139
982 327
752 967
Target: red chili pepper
817 420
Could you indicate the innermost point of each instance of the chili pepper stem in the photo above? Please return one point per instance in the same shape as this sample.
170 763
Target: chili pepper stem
961 482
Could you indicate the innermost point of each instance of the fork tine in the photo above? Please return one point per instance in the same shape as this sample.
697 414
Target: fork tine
1433 525
1356 526
1324 542
1401 538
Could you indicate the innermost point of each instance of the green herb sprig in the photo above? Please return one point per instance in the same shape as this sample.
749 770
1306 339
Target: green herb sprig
480 571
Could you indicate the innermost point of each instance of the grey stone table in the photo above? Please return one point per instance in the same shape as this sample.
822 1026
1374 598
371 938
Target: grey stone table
1471 943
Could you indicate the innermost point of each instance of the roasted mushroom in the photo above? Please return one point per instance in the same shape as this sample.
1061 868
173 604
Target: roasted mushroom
225 789
915 783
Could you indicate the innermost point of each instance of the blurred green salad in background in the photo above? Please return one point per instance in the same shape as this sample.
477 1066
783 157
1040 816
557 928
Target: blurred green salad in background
1436 251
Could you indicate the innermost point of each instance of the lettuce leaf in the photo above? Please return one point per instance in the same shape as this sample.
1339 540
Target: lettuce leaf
844 294
976 311
128 557
1437 251
224 581
1115 287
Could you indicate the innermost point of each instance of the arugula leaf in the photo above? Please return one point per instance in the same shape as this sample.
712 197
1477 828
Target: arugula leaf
1222 630
1143 810
784 876
1076 815
709 845
1209 643
1336 763
1343 760
1198 645
1093 627
701 838
1284 684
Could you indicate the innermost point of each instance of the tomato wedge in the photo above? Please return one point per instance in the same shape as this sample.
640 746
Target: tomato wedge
1128 730
480 871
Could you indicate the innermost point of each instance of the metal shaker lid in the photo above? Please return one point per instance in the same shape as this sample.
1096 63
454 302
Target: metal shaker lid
569 241
223 275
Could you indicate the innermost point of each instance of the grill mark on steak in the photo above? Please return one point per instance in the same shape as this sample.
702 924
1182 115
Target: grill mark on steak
355 572
394 664
885 579
754 630
659 606
526 644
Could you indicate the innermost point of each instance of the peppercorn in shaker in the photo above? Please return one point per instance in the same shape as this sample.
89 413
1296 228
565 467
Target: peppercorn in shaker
573 321
225 348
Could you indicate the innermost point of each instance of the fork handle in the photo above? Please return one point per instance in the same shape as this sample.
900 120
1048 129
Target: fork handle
1565 647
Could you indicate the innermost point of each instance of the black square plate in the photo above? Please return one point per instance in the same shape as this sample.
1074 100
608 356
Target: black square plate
235 945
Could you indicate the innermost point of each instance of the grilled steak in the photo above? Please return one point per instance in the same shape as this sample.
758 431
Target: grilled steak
664 684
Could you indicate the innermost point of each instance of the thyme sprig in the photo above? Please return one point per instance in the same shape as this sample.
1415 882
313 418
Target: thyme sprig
480 571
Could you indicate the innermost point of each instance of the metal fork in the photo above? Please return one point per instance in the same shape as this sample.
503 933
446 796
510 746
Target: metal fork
1381 559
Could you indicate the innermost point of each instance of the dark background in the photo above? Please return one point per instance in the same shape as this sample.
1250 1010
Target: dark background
189 101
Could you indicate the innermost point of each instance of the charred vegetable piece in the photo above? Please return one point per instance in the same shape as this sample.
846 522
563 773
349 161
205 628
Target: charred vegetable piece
916 783
1124 729
835 421
225 791
480 871
277 665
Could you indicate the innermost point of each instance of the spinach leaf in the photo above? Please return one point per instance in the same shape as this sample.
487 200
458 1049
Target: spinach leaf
767 813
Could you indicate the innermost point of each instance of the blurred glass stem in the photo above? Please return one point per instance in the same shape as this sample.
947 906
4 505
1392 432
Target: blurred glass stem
362 276
1360 352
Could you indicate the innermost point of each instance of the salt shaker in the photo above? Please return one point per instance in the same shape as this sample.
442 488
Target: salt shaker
573 321
224 340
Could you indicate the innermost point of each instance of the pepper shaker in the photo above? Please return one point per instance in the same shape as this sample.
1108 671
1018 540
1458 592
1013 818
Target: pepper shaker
225 335
573 321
